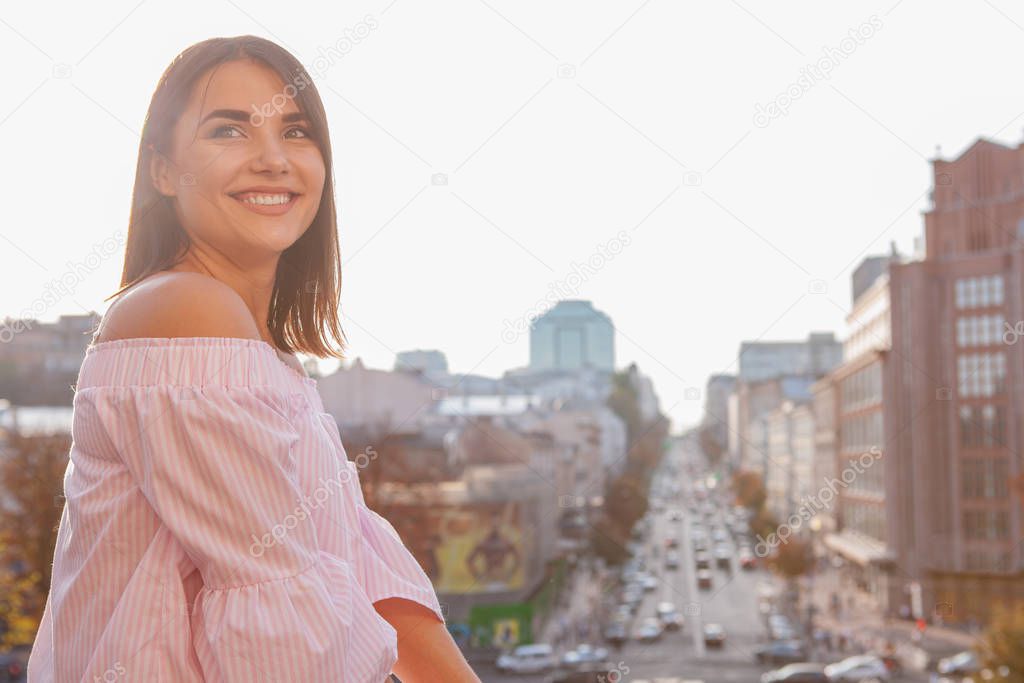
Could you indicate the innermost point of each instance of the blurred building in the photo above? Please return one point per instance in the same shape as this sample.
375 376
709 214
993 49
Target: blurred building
489 482
851 408
431 363
929 393
790 437
39 361
826 460
716 407
572 335
957 366
771 373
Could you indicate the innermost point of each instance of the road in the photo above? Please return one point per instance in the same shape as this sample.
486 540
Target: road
732 601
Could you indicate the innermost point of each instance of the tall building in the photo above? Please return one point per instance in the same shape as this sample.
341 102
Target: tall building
852 402
770 373
431 363
956 368
790 453
571 336
825 461
761 360
716 407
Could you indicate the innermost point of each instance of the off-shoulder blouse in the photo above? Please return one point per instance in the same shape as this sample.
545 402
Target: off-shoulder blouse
214 528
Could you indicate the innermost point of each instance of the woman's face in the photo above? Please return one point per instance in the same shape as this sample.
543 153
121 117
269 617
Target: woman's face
249 142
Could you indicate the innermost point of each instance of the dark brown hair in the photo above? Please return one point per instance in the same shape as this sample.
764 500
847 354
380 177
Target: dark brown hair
307 286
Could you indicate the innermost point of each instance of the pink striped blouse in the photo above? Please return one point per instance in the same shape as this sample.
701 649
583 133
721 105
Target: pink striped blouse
214 528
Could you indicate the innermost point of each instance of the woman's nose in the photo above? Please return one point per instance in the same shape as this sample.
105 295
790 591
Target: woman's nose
271 155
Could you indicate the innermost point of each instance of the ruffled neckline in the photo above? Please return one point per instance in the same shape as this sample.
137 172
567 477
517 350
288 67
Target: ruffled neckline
130 342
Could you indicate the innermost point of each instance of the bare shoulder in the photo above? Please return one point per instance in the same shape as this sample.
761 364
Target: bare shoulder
178 305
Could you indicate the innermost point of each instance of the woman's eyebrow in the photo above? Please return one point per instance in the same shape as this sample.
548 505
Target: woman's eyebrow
239 115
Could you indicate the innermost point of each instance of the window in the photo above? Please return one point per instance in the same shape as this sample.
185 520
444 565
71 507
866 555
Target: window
983 478
982 426
985 525
981 374
976 292
979 330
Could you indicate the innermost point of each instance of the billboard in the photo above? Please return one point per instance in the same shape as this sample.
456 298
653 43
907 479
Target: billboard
475 548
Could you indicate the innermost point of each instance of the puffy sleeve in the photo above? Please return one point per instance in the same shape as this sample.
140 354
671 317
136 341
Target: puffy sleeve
216 465
390 569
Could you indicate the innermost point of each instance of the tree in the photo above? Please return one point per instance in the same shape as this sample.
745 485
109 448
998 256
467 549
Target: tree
20 601
1002 644
31 477
710 444
625 403
792 559
749 490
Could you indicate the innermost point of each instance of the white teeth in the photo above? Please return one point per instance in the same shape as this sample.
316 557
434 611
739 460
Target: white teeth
265 199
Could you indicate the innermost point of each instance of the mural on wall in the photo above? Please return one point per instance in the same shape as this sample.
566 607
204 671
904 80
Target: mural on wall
476 548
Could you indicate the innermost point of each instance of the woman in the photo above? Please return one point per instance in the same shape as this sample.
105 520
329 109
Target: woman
214 528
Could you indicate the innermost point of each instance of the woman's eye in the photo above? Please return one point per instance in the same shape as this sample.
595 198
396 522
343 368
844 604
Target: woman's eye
216 131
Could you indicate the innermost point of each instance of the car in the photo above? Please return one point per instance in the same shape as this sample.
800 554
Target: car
714 635
961 664
623 612
650 630
649 582
722 556
781 652
671 542
584 653
704 581
631 601
672 621
781 628
747 559
671 560
856 668
719 536
528 659
676 516
702 560
796 673
616 632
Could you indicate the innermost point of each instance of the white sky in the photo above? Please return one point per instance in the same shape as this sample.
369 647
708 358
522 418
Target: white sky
654 134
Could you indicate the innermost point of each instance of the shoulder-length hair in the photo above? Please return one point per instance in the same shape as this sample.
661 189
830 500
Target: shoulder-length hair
307 286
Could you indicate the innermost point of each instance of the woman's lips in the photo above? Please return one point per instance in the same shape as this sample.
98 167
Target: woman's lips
269 209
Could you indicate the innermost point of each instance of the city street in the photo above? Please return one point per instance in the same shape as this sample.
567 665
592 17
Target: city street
732 601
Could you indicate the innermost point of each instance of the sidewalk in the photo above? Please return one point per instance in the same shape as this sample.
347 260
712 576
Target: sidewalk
867 629
575 620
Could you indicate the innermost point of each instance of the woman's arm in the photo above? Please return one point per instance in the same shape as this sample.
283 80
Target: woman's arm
426 651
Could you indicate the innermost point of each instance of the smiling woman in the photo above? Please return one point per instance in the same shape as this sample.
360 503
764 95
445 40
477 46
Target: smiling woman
182 554
233 180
